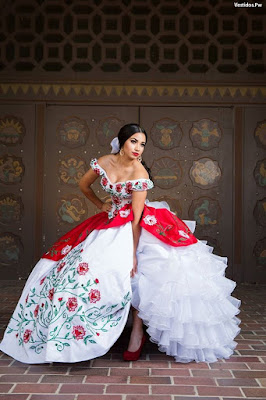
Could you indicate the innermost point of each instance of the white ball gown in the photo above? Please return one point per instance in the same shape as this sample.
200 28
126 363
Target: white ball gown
76 301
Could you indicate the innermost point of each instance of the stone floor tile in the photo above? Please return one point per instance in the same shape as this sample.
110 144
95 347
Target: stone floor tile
219 391
126 389
25 378
35 388
169 372
84 388
237 382
130 371
172 389
255 392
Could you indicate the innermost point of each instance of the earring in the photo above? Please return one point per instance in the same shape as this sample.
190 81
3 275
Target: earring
121 152
139 158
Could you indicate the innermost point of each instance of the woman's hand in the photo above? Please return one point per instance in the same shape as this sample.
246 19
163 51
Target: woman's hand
106 207
135 266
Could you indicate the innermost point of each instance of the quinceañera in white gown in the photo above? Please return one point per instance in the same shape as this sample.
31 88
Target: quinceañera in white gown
76 301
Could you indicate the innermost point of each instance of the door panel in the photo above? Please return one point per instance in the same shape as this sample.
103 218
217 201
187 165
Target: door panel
254 200
75 135
17 186
190 155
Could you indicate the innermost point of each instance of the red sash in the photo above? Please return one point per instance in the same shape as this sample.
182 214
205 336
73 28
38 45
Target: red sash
158 221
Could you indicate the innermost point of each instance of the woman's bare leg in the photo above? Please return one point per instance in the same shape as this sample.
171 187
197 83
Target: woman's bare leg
136 333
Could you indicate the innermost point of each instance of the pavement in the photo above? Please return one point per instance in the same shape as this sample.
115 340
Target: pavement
155 376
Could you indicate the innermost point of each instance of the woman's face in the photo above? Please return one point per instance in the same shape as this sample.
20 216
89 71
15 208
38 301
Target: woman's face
134 146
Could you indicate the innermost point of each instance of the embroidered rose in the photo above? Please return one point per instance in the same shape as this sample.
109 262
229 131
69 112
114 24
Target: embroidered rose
96 281
66 250
61 266
118 187
42 280
72 303
36 310
98 172
78 332
144 185
128 187
94 295
184 234
150 220
97 333
83 268
51 294
60 298
104 181
27 335
116 200
124 214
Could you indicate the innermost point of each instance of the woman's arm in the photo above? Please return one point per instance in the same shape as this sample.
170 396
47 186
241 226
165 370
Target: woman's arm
138 201
85 186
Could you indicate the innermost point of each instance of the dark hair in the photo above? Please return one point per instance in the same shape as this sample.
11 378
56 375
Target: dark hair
124 134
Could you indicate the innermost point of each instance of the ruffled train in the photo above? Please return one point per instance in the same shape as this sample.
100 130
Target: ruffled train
185 300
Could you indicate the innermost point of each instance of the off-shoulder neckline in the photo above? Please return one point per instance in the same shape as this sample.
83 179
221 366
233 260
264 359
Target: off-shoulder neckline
107 177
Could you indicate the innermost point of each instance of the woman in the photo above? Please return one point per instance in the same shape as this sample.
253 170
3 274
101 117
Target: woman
76 301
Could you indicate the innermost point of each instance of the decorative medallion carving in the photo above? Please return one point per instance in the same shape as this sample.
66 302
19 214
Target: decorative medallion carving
71 209
166 133
205 211
108 128
260 173
205 173
260 252
73 132
260 212
71 169
205 134
11 169
12 130
166 172
260 134
11 248
11 208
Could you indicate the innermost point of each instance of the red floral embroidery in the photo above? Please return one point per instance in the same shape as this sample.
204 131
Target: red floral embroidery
116 200
51 294
26 336
60 298
118 187
16 334
72 303
144 185
96 281
42 280
94 295
78 332
97 333
104 181
128 187
36 310
98 172
27 298
111 186
61 266
83 268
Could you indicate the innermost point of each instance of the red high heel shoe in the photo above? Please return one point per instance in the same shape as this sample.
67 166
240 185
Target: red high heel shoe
134 355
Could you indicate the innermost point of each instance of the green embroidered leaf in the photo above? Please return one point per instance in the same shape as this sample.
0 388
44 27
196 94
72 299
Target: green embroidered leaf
46 305
21 306
84 300
79 308
66 336
92 341
118 319
19 315
31 314
95 324
102 307
32 347
10 330
66 344
82 318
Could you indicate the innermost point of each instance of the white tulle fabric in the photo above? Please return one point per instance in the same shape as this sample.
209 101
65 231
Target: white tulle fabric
185 300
